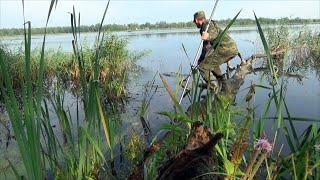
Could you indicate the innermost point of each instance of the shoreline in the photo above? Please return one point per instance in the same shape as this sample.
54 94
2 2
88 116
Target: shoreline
166 30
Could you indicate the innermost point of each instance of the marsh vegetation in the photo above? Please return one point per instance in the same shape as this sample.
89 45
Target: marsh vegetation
209 136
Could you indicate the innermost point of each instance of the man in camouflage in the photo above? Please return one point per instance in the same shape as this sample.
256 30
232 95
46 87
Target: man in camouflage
211 58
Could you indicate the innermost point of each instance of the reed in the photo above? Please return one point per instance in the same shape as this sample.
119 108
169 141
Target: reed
26 121
79 155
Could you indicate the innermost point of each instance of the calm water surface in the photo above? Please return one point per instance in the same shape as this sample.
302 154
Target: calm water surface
303 98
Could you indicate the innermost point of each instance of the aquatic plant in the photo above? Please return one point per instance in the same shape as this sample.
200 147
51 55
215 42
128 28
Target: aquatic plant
278 38
80 155
263 145
26 121
115 67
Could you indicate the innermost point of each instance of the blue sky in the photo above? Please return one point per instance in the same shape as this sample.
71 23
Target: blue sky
141 11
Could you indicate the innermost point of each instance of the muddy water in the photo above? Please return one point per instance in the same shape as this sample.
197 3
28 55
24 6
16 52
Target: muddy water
166 56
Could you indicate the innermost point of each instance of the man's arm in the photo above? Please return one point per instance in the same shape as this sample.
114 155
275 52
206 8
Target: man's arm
212 32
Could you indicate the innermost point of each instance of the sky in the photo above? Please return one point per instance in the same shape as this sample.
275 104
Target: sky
141 11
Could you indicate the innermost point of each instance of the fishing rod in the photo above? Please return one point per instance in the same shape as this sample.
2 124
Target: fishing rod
198 53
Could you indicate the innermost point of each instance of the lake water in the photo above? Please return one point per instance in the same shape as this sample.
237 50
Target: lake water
302 98
166 55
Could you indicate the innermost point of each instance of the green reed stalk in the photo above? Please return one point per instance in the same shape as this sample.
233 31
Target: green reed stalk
27 121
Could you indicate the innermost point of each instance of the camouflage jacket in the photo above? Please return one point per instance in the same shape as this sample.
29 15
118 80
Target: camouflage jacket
214 32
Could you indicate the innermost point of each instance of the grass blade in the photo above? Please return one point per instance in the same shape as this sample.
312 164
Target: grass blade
266 49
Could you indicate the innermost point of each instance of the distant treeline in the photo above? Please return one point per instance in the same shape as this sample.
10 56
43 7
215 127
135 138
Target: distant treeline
158 25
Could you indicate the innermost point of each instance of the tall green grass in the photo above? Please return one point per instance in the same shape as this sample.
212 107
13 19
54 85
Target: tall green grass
116 64
26 121
82 152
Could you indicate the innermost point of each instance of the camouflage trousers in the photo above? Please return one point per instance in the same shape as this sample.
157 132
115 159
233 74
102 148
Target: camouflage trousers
213 59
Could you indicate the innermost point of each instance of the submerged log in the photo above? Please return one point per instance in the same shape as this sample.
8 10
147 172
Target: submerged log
196 159
231 86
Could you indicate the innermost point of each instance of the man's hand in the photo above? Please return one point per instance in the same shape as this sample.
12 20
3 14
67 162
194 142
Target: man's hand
205 36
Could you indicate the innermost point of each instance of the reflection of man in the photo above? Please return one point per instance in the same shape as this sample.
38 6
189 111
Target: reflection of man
211 59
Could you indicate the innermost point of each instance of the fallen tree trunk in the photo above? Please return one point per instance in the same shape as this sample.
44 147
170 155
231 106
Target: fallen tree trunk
196 159
231 86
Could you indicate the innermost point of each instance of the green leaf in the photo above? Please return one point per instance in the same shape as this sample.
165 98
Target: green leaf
266 49
229 166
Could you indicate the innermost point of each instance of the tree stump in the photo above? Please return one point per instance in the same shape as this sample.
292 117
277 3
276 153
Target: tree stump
196 159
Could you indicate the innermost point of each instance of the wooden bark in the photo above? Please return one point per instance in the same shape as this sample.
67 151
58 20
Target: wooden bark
196 159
